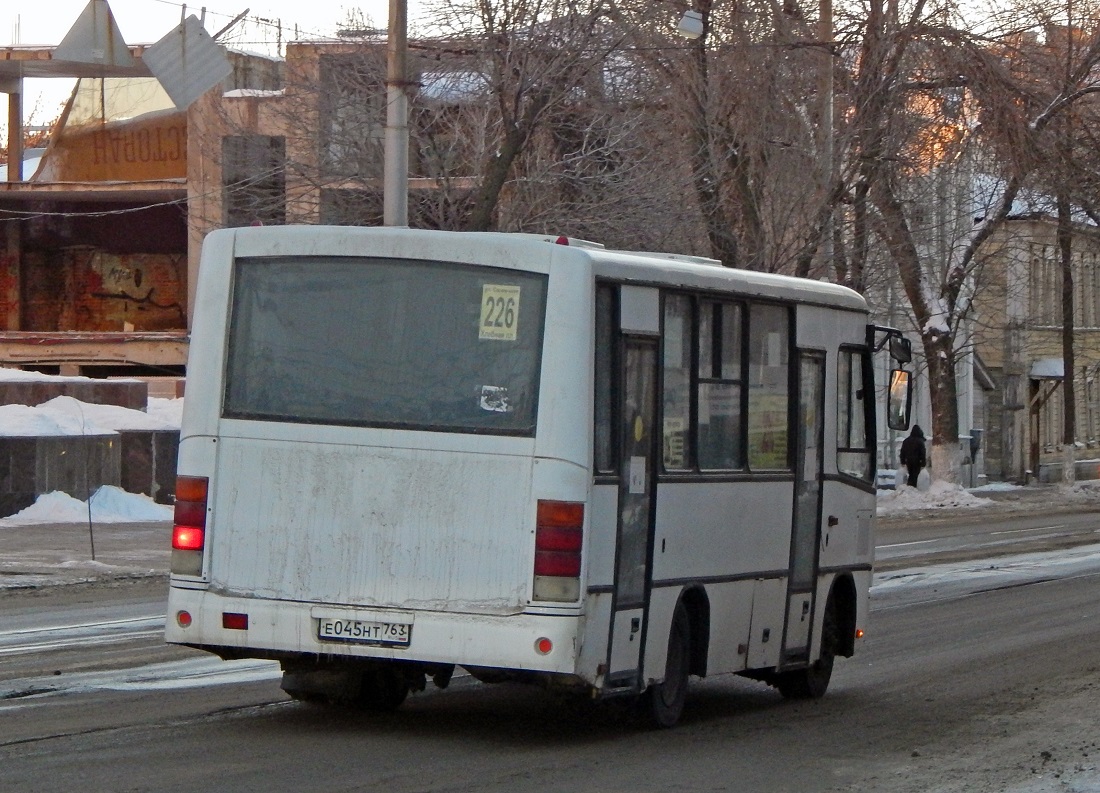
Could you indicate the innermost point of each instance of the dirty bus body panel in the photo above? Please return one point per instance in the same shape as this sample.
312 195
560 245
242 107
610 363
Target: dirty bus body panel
405 451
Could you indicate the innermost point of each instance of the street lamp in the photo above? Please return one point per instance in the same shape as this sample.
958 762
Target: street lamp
691 25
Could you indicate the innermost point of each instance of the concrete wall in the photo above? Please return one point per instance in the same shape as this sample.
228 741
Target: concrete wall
133 394
74 464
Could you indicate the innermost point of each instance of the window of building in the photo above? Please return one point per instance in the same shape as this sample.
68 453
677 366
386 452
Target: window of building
254 180
1092 408
353 113
1046 286
1086 291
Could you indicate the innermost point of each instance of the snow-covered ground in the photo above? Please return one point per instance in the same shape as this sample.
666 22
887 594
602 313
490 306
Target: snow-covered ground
65 415
943 496
109 504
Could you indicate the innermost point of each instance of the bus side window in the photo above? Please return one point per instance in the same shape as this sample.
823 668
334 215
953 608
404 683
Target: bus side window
605 458
853 453
719 396
769 386
676 362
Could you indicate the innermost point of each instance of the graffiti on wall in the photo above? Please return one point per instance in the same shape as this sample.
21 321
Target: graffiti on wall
139 291
9 291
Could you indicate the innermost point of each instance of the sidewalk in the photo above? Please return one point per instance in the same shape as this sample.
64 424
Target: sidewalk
49 554
973 506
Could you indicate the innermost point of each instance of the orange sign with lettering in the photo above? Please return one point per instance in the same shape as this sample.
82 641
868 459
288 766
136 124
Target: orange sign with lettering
149 148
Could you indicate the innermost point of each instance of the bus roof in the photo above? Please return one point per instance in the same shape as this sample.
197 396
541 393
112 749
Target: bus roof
641 267
673 270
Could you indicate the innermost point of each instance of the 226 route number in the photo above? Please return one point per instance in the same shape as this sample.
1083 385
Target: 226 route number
499 312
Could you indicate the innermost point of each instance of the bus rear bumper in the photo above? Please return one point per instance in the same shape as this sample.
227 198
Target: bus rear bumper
279 629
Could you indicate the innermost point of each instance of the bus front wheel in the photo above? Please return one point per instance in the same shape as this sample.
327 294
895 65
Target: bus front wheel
666 699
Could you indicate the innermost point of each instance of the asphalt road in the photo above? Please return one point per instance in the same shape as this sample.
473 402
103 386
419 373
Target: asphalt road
920 540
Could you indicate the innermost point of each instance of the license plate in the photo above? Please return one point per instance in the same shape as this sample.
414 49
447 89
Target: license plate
340 630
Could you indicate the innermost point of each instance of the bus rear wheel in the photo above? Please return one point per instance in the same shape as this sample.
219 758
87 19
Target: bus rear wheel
813 681
666 699
383 689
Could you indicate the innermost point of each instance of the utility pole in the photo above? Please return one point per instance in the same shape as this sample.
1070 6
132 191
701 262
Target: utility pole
395 176
826 134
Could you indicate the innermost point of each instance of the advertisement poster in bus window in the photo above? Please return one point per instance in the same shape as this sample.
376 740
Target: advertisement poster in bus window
499 312
674 447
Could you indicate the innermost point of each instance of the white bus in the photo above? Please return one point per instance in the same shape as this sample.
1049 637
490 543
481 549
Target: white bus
534 459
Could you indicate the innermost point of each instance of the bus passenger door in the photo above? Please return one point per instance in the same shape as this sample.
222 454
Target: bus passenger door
637 481
806 531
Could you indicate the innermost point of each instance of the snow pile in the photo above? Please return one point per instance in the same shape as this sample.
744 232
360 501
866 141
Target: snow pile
996 487
169 411
109 505
940 495
111 417
65 415
25 421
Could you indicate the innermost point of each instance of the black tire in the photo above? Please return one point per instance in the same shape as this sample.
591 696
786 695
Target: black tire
383 690
666 699
813 681
308 697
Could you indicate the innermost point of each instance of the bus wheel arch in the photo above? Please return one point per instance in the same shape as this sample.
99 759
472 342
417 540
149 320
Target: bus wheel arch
665 700
697 604
843 595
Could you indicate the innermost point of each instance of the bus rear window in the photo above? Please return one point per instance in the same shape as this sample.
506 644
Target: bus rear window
385 342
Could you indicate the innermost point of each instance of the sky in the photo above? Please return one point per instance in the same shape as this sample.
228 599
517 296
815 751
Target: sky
145 21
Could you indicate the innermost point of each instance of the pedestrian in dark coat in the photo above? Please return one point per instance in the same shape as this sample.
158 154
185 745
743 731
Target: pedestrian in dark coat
913 455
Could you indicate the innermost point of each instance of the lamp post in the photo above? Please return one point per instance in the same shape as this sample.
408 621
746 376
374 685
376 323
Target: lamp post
395 175
692 26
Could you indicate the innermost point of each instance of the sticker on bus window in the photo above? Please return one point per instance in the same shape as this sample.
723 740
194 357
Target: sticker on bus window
636 483
494 398
499 312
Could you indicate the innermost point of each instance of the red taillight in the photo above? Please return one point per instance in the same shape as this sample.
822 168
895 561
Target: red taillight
566 565
560 514
189 531
191 488
559 537
234 622
190 513
187 538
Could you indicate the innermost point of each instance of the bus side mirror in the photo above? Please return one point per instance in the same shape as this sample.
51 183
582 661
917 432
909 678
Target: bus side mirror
901 349
899 399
